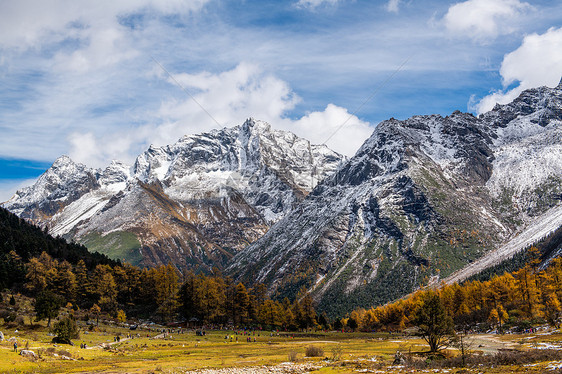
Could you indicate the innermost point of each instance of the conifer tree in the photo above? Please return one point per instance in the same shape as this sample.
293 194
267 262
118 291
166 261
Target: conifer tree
241 303
35 276
47 306
96 310
84 289
434 324
167 291
105 288
553 310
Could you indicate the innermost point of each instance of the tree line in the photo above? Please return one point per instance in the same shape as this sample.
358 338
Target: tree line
57 273
161 294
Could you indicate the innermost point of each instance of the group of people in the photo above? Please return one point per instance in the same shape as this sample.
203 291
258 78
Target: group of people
235 338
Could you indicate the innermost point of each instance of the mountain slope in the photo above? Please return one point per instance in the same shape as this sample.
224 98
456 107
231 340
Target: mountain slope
421 198
194 203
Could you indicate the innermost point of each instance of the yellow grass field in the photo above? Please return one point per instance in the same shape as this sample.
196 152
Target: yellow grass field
180 353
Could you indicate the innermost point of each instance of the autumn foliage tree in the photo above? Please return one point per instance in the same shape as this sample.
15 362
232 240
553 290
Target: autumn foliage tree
433 322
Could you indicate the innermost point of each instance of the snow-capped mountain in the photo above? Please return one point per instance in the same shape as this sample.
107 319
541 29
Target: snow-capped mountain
194 203
421 199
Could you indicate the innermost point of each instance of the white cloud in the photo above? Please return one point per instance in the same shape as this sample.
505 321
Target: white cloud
483 20
30 23
105 47
393 6
537 62
245 91
334 126
230 97
312 4
93 26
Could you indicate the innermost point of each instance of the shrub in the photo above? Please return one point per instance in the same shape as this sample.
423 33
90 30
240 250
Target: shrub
336 353
8 316
313 351
507 357
66 329
293 356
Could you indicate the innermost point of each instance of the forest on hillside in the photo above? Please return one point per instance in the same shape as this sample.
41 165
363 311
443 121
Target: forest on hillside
514 300
56 273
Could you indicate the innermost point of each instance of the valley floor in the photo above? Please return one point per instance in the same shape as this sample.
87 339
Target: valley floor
143 351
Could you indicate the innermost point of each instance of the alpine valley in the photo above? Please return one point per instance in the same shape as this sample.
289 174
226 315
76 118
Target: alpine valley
426 199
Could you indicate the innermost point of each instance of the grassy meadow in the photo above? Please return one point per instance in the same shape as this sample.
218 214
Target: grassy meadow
179 353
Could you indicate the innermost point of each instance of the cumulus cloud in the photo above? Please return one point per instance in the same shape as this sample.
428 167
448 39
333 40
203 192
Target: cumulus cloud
232 96
537 62
335 127
484 20
229 97
393 6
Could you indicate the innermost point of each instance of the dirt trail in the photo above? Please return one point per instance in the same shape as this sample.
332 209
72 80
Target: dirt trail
489 343
108 344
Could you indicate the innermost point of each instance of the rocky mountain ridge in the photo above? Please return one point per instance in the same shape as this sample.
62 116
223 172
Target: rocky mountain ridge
421 198
194 203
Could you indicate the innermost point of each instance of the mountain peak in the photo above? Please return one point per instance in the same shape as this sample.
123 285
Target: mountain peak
63 160
257 125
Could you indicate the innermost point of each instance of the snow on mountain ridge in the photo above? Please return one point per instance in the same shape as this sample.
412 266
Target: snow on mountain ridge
421 197
249 158
64 182
195 202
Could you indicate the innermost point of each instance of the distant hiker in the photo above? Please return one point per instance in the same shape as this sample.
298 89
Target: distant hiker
15 346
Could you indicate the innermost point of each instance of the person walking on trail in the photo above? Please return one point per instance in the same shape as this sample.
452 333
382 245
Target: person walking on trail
15 346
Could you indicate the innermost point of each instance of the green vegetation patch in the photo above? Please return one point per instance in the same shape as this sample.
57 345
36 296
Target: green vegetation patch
118 245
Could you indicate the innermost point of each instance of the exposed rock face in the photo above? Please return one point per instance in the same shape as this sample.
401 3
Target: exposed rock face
421 198
194 203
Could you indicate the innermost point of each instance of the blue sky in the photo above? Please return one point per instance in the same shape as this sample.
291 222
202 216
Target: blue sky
79 78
